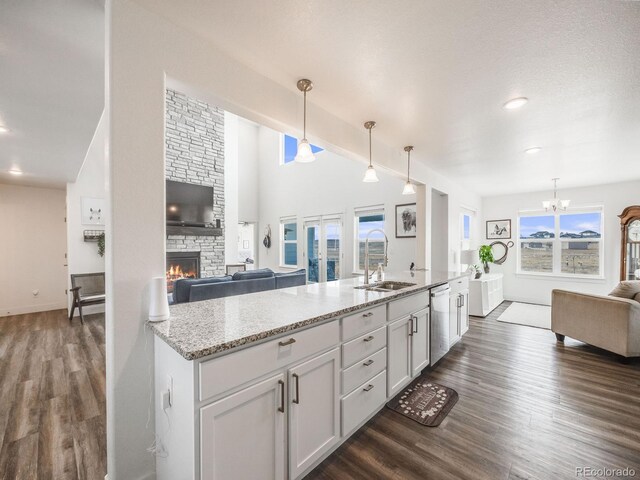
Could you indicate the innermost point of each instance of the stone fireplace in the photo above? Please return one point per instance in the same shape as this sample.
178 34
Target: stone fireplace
182 265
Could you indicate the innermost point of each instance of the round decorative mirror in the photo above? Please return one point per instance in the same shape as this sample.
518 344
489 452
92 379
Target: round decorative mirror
500 251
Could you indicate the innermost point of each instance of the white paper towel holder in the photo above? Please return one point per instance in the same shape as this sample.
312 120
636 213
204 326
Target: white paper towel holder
158 301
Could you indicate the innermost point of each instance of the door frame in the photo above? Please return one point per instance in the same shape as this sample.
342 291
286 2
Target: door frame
320 221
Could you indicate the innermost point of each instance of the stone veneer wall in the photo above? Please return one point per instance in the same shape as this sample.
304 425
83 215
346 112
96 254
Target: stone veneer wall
195 154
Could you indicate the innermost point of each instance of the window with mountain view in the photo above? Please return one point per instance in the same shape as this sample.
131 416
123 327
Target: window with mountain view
561 243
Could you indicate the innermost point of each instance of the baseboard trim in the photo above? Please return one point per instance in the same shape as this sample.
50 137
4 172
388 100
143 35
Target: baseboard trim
7 312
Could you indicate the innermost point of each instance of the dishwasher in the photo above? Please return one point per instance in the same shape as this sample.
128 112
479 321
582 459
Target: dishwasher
439 322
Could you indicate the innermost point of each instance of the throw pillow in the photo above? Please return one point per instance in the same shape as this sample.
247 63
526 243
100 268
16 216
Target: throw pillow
253 274
626 289
637 297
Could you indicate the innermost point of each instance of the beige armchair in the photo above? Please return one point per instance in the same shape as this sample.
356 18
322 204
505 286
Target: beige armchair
610 323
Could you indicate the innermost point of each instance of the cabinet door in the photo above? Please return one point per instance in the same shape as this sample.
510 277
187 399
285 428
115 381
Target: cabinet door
464 312
399 355
314 414
454 318
242 436
420 342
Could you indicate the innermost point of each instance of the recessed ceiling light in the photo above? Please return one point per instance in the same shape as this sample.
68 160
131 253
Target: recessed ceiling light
515 103
533 150
4 129
15 172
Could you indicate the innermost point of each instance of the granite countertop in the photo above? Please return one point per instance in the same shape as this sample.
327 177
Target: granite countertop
200 329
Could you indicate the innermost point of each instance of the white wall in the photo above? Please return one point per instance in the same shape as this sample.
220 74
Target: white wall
537 289
32 247
83 256
330 185
145 54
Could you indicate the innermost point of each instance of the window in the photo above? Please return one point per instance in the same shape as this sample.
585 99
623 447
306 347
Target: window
561 243
365 221
289 242
290 148
466 222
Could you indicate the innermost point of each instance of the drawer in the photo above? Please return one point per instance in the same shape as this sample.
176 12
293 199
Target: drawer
362 322
363 346
406 305
224 373
363 401
459 285
364 370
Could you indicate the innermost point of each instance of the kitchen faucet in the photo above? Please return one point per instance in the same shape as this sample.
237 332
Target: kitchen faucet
366 253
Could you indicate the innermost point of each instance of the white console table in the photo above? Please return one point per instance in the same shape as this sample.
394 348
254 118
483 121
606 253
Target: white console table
485 294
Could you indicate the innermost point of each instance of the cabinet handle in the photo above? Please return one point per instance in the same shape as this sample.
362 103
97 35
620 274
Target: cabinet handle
367 388
297 379
411 326
281 407
367 363
415 322
462 300
288 342
369 338
367 314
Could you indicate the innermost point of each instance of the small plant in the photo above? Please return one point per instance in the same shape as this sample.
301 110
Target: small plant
476 271
486 256
101 244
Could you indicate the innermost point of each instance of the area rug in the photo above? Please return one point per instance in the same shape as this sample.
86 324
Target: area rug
426 402
528 314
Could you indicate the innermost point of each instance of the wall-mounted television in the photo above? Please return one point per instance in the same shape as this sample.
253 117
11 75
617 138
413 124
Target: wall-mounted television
189 205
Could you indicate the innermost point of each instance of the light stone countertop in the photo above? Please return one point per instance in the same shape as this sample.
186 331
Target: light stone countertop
200 329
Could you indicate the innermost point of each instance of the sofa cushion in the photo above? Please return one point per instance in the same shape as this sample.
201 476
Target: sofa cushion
253 274
291 279
182 286
637 297
626 289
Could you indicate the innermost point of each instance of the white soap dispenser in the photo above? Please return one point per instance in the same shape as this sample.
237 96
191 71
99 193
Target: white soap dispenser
379 273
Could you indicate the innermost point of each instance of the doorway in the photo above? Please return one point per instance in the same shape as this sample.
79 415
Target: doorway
323 248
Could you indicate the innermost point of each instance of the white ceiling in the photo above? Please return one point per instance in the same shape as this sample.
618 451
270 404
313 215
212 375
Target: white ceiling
436 73
51 87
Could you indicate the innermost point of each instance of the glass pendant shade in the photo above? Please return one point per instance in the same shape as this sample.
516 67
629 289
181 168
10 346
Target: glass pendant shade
370 175
304 155
408 189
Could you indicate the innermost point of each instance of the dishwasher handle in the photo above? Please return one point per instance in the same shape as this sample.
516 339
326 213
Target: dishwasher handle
439 293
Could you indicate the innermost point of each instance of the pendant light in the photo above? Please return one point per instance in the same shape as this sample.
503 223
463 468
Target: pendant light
370 175
408 189
555 203
305 154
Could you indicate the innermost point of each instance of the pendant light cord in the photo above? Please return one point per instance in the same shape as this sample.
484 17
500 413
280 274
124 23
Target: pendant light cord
370 147
304 122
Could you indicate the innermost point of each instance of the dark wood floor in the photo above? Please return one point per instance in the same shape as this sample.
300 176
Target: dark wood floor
52 397
529 408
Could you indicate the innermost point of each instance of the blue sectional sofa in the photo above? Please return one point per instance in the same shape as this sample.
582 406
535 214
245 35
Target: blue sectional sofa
198 289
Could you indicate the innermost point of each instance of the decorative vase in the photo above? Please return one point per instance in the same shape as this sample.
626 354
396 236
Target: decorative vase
486 267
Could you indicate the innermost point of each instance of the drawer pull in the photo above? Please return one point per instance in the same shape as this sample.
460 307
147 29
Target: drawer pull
297 378
281 407
365 315
369 338
288 342
367 363
367 388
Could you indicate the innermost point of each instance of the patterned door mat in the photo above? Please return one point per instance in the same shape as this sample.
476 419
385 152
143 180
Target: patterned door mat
425 402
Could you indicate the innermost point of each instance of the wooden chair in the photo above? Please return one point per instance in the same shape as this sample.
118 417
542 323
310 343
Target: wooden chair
88 289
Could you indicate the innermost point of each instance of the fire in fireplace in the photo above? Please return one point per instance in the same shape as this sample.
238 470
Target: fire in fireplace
182 265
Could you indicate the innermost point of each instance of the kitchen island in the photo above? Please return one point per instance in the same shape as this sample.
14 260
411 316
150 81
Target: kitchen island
266 385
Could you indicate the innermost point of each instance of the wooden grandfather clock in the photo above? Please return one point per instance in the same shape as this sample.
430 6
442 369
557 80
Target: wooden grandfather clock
630 247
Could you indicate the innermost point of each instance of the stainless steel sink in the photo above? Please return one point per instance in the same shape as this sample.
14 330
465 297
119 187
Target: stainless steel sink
388 286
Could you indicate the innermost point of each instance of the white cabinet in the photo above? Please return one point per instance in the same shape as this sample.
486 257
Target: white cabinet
398 355
408 349
242 436
485 294
458 309
419 342
314 410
